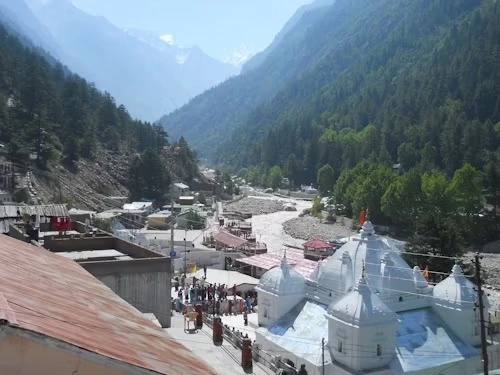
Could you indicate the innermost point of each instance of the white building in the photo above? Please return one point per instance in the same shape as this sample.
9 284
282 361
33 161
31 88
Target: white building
139 206
180 189
375 314
5 196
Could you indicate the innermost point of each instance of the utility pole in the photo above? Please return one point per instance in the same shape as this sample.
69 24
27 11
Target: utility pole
484 349
172 224
323 356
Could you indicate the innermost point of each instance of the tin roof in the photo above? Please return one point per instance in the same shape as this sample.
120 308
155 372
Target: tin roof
60 210
229 240
317 244
51 295
270 260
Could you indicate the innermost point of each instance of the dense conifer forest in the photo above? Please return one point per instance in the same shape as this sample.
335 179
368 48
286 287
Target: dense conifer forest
50 116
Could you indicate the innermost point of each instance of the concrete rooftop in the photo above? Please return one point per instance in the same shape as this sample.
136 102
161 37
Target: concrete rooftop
225 359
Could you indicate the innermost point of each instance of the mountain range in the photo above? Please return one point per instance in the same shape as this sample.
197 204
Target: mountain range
409 82
146 74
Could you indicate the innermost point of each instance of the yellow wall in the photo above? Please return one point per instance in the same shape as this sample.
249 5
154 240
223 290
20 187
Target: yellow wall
20 356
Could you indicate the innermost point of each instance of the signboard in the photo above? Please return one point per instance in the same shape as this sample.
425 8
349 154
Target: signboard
173 254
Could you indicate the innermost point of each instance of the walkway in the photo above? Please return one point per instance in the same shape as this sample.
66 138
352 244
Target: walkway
225 359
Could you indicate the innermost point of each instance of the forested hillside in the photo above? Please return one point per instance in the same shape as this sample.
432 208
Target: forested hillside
50 117
208 119
414 82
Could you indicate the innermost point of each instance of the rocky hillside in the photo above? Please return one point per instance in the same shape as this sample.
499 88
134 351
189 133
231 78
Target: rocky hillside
87 185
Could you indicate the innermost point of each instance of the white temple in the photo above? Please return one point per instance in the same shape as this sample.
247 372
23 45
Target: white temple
376 314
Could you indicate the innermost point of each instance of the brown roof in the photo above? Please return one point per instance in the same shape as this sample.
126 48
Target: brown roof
270 260
317 244
229 240
51 295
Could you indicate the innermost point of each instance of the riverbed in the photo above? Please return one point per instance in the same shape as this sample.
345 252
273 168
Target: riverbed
269 228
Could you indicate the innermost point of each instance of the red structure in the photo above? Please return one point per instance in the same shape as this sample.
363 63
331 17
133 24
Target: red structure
217 331
199 318
317 249
59 223
246 354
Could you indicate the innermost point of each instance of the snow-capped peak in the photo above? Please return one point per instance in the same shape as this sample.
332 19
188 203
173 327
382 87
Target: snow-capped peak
239 55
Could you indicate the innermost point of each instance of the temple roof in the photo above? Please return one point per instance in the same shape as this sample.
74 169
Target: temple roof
386 270
457 289
361 307
282 280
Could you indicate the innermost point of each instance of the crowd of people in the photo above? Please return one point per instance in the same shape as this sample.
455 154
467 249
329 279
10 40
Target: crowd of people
215 298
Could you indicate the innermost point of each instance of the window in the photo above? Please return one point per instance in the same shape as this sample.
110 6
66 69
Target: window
379 350
339 348
265 312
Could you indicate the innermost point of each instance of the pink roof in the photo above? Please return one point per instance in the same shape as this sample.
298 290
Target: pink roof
214 229
270 260
229 240
318 244
55 297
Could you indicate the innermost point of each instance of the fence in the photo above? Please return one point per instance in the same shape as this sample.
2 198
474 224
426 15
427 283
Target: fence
235 337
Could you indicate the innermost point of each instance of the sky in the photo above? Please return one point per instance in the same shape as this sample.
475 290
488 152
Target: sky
221 28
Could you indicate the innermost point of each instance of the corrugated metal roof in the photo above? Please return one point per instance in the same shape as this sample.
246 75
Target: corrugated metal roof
318 244
229 239
295 258
54 296
10 211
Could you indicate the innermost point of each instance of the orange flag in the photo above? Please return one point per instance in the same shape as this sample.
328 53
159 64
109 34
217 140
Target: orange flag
362 217
425 272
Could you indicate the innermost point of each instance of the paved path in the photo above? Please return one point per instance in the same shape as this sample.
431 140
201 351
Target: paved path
225 359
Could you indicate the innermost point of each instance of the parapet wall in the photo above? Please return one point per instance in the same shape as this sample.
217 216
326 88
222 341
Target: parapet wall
144 283
58 244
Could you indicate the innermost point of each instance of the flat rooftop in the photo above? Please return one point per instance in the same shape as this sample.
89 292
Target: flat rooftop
225 277
95 255
423 340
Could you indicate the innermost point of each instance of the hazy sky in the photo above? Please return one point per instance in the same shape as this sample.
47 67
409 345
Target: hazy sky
219 27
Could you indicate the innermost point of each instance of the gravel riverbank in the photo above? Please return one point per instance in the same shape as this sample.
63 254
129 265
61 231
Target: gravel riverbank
255 206
308 227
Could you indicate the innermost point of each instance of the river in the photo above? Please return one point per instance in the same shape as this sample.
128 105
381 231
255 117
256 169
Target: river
269 228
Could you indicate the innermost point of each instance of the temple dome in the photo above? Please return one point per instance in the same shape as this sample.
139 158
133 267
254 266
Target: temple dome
457 290
282 280
386 270
362 307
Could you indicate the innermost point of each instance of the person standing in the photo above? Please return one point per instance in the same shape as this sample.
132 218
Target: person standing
205 271
302 370
234 290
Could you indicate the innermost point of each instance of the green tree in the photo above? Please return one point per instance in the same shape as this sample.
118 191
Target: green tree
155 176
148 177
275 177
434 189
466 191
403 199
194 220
202 199
325 178
407 156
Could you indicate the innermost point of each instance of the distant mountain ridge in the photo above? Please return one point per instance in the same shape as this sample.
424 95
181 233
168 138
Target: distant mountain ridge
148 80
259 58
